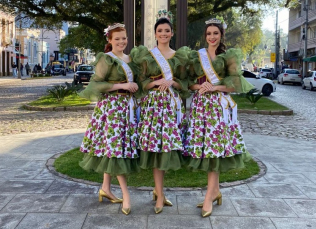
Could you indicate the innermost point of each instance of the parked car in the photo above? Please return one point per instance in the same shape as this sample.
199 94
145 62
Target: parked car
58 69
309 81
264 86
290 76
83 73
263 72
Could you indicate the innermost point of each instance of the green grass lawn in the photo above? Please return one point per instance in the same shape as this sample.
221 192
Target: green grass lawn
262 104
68 164
48 101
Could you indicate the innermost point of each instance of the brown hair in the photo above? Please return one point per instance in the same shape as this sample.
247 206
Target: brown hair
108 46
222 47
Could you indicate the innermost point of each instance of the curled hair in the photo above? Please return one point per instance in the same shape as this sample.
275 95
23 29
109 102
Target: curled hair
163 21
108 46
222 47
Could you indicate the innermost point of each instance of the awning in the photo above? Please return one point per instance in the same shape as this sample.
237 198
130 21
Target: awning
310 59
17 55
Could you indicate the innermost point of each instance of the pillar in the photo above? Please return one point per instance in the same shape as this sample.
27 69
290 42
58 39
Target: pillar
182 23
149 10
129 21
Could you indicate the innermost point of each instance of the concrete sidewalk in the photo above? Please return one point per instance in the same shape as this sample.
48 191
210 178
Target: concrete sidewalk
31 197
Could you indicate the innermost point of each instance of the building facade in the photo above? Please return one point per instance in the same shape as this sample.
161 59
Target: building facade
7 28
295 53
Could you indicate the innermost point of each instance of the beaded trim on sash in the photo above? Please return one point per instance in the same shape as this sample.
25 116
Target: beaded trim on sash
168 75
130 78
225 99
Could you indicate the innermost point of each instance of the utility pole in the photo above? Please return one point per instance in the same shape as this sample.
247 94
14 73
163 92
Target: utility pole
305 39
19 62
276 46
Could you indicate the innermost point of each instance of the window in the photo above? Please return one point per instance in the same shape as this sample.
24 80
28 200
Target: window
248 74
292 72
85 68
266 70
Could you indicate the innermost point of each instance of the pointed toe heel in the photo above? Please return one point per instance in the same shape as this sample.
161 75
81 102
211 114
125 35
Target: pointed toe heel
126 211
104 194
158 210
206 213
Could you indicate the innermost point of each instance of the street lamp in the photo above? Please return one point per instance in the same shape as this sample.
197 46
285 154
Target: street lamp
42 51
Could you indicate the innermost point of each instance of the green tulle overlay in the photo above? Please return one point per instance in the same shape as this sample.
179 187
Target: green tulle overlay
163 161
226 65
217 164
112 166
149 67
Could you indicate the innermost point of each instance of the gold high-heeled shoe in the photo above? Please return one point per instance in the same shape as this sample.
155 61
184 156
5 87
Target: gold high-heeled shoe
166 201
218 199
206 213
126 211
104 194
159 210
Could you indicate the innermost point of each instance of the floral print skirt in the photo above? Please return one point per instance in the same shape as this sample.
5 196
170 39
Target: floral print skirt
160 137
110 139
210 143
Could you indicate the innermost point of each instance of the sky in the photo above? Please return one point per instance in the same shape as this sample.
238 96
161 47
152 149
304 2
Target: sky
283 21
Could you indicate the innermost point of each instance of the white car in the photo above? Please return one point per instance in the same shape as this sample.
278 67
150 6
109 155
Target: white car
264 71
264 86
290 76
309 81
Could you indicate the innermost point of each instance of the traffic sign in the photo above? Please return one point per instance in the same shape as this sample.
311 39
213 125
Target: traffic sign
272 57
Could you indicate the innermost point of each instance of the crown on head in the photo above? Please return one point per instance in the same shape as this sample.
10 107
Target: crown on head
217 20
164 14
111 27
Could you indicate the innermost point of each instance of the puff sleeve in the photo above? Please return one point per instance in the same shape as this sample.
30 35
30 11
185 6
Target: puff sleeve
233 77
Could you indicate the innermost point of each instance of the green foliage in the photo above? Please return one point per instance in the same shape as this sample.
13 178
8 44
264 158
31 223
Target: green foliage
59 92
71 100
68 164
253 96
262 104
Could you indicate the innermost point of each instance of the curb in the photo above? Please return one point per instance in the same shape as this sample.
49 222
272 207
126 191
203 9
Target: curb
50 166
69 108
91 107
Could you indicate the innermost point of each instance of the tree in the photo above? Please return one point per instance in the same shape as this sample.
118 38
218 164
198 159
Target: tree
95 15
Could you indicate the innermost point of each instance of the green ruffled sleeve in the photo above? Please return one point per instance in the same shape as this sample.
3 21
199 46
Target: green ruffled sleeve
233 77
98 84
195 69
180 63
144 60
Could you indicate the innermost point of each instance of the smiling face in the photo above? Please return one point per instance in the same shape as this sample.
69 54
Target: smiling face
118 41
163 33
213 36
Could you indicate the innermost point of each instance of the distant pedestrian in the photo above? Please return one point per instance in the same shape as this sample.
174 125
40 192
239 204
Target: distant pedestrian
35 69
21 68
39 68
27 68
14 68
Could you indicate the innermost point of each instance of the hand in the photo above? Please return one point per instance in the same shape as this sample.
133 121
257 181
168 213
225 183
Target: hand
165 85
131 86
207 87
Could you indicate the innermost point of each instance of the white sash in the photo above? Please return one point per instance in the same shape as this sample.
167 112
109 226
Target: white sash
168 75
225 99
130 78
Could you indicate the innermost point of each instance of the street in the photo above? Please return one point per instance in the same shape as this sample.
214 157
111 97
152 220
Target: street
14 93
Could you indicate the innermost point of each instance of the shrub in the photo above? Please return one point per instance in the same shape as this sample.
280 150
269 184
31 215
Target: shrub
59 92
252 96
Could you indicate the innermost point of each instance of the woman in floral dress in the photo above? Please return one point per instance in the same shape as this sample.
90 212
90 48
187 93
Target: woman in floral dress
110 140
162 82
214 141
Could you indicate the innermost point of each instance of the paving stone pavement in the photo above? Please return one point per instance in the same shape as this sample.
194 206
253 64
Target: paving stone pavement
31 197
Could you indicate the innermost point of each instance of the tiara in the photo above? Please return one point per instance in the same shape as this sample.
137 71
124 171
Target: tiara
217 20
111 27
164 14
